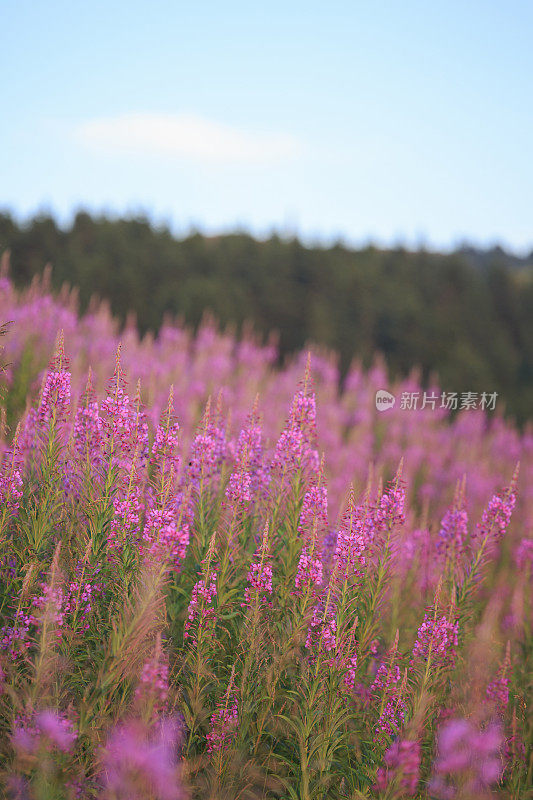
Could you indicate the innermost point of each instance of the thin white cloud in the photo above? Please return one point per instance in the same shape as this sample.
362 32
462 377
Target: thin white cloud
186 137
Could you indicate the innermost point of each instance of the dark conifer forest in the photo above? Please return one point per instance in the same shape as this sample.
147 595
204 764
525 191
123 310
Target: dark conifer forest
466 317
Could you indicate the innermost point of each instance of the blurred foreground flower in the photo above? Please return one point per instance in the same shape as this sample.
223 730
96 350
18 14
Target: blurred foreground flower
141 762
469 759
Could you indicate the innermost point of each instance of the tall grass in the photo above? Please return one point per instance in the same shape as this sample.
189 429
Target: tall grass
186 612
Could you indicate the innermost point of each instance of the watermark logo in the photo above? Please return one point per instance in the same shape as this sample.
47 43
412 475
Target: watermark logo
449 401
384 400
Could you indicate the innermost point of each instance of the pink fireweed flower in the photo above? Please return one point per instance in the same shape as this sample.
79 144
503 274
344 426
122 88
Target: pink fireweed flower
498 692
392 717
388 672
88 432
79 595
296 446
354 539
392 712
349 676
402 763
224 720
55 394
309 574
46 729
289 449
166 440
387 691
125 526
11 488
27 439
14 639
223 724
60 607
58 730
118 416
239 489
73 602
436 639
202 605
322 631
314 514
124 422
51 607
166 535
453 532
140 762
207 453
386 676
467 756
303 414
250 452
259 576
497 515
116 403
390 507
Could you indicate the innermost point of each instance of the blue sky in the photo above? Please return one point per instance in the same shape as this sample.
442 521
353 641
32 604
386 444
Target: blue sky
396 122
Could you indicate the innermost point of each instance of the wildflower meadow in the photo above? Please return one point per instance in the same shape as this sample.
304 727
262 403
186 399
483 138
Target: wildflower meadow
226 578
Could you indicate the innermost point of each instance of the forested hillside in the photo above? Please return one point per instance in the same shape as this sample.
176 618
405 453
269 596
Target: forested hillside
467 316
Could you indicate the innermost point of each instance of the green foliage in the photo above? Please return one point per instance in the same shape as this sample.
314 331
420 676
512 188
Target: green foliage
466 316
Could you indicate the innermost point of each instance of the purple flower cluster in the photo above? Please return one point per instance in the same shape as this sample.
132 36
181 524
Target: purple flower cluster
309 574
402 764
125 528
250 453
14 639
296 447
322 632
166 536
453 533
208 451
140 762
354 539
11 489
123 490
43 730
55 396
88 433
223 724
165 445
387 692
349 675
124 423
239 489
497 515
201 606
314 514
436 640
469 757
390 509
259 576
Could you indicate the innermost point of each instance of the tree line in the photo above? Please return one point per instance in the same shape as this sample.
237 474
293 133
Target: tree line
466 317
